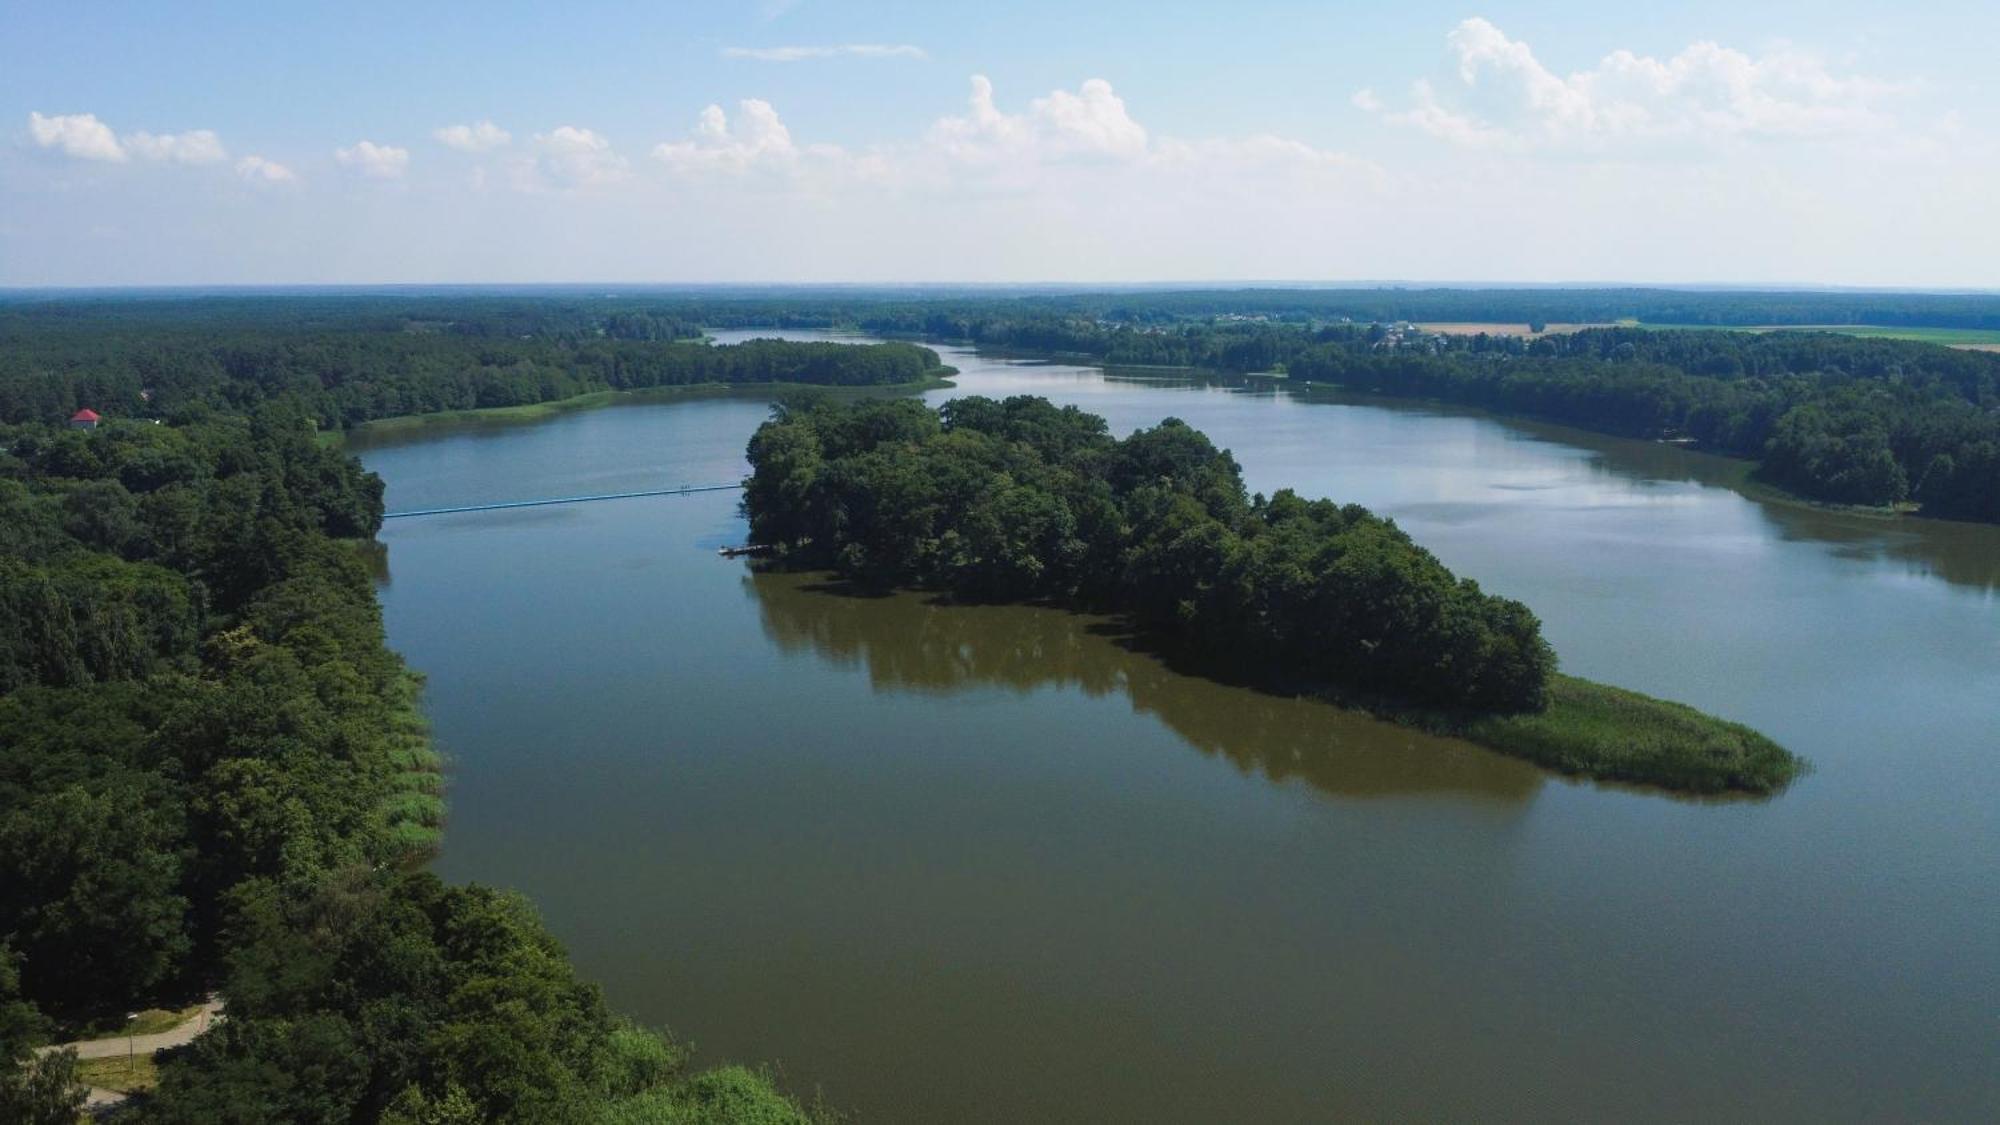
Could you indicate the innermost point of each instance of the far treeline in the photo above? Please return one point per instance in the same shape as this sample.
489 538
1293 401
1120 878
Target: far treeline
1835 418
358 368
1722 308
1021 501
214 775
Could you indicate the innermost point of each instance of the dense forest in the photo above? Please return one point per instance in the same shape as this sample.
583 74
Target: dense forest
213 775
1021 501
1836 418
356 367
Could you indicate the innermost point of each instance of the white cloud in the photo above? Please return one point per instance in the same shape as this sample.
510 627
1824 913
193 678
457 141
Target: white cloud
827 51
758 139
473 138
197 146
1083 137
1506 98
80 135
258 170
567 157
380 162
1365 100
1091 123
84 137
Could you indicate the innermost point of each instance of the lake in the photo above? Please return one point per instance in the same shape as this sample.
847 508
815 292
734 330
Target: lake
987 864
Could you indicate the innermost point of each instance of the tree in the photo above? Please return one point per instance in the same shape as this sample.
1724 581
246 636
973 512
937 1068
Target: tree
34 1089
42 1091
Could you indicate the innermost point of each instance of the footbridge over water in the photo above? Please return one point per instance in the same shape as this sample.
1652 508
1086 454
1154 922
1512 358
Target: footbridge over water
682 490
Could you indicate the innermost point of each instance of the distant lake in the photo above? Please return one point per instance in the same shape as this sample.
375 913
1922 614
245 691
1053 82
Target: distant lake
988 864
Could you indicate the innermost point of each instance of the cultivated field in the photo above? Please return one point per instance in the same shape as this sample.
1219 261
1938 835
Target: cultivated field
1975 339
1474 328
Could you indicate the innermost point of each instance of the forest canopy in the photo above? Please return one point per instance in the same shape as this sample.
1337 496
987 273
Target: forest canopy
356 370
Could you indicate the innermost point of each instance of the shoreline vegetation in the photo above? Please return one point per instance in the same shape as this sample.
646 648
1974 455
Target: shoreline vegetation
1853 422
1020 501
1752 483
938 379
1742 479
215 775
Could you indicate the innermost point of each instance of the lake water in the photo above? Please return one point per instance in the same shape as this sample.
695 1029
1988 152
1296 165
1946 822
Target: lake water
984 864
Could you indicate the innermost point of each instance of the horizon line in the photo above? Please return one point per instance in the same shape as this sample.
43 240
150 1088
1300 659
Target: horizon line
1181 285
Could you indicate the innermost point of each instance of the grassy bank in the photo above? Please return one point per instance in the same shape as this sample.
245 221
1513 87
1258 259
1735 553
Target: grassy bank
1611 734
135 1074
1588 729
149 1021
414 807
541 411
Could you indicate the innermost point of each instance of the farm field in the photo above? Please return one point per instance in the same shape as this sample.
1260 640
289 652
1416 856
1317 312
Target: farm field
1978 339
1974 339
1474 328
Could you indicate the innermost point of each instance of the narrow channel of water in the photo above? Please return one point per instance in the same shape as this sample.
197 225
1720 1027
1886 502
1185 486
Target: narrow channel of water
986 864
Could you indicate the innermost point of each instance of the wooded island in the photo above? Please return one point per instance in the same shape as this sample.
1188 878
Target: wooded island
1019 500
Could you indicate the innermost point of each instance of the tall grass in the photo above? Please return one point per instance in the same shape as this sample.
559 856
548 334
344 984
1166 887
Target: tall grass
412 809
1605 732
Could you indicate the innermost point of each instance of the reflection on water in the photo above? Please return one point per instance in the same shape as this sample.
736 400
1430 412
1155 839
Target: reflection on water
909 643
1963 554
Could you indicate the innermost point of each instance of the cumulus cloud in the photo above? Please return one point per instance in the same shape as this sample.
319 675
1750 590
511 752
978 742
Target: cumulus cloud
827 51
1506 97
197 146
84 137
80 135
1085 133
1090 123
258 170
758 139
380 162
568 157
473 138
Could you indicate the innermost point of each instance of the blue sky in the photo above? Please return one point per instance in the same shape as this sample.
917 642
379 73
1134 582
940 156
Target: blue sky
217 143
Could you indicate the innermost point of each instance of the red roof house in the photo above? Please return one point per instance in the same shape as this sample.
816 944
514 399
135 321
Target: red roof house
85 419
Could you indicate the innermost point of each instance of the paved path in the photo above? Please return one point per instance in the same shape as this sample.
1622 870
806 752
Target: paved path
119 1045
100 1100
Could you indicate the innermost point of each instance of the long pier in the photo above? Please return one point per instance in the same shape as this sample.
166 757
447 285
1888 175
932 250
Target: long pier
680 491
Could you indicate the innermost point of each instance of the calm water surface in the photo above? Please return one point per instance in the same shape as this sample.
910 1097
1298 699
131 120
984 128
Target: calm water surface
985 864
